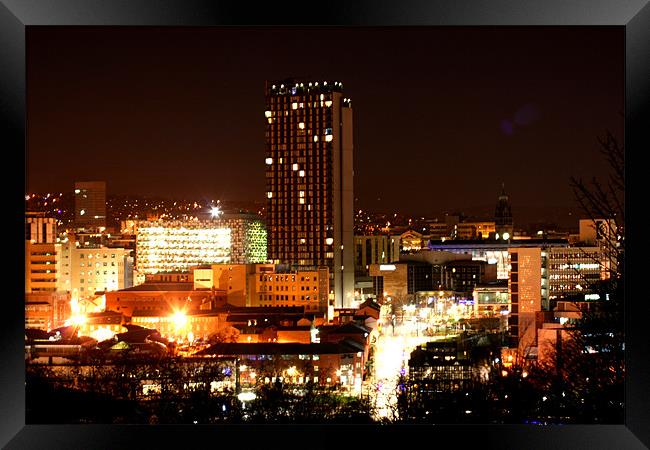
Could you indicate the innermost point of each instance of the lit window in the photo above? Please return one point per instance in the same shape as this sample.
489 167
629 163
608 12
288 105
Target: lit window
315 138
295 167
269 194
301 173
269 161
329 138
301 193
328 103
267 113
294 105
301 125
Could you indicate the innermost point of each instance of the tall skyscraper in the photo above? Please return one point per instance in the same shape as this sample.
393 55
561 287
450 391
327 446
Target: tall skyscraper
90 204
309 180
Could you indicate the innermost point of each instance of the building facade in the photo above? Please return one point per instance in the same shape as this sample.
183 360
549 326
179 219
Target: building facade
43 267
309 179
379 249
177 246
88 270
525 289
309 289
40 229
573 271
90 204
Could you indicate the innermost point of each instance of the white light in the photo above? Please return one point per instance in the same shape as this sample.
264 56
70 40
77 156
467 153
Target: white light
77 191
389 267
329 138
267 113
269 194
329 241
82 212
247 396
294 105
215 211
506 236
301 173
315 138
328 103
295 167
269 161
301 125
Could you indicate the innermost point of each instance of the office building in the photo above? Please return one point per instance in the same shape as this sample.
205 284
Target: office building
573 271
492 300
264 285
526 290
379 249
309 180
494 251
40 229
43 267
86 271
177 246
90 204
308 289
597 231
429 271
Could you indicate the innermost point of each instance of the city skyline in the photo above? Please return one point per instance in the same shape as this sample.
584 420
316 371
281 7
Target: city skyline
402 319
511 120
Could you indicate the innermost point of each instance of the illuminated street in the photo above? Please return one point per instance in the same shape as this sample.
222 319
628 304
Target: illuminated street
391 357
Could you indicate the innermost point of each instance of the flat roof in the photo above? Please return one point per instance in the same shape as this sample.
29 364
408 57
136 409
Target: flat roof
475 243
274 348
176 286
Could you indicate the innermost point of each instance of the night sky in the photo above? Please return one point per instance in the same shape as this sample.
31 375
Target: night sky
442 116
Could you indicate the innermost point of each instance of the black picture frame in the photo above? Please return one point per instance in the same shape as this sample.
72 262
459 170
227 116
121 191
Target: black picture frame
16 15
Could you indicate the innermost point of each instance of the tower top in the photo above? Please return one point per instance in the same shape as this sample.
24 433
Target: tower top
299 86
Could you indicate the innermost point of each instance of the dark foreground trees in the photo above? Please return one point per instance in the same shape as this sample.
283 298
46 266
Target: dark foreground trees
182 394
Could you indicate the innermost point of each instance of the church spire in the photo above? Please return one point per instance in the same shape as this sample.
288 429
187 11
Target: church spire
503 213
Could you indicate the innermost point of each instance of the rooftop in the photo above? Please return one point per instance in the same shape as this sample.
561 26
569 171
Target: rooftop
179 286
273 348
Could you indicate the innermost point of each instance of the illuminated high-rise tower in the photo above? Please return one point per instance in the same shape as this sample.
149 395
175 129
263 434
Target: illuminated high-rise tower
309 180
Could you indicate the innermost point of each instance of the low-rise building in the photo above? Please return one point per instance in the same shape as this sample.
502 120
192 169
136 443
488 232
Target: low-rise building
162 299
339 364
